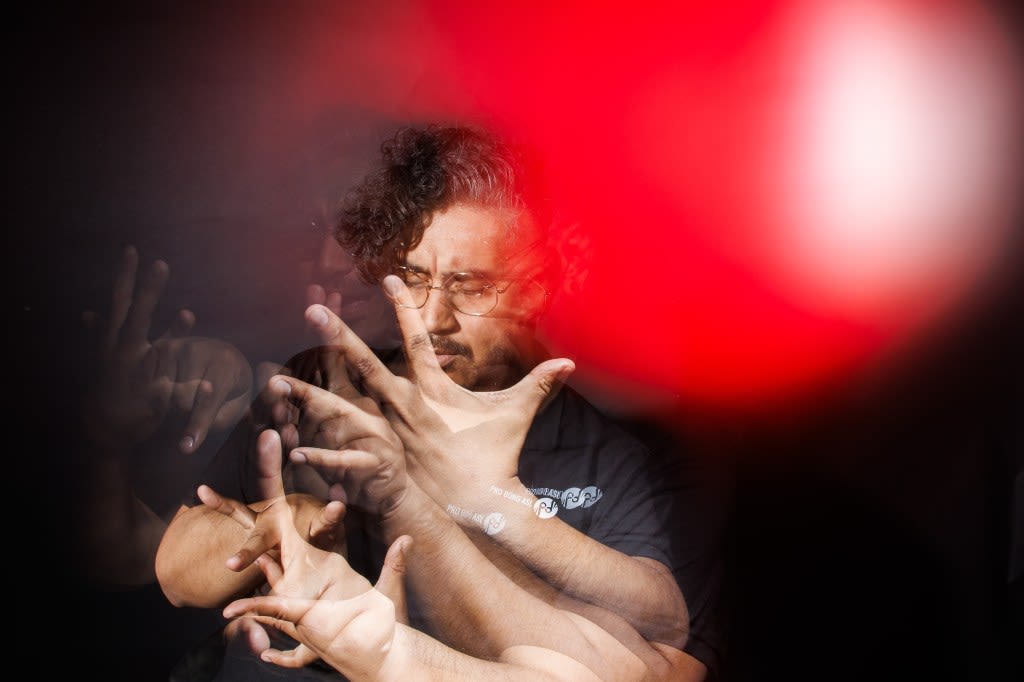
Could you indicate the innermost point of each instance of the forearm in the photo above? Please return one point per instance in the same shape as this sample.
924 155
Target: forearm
641 591
116 534
191 561
432 661
493 614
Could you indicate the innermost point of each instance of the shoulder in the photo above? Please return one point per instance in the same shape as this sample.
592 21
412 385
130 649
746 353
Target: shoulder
571 422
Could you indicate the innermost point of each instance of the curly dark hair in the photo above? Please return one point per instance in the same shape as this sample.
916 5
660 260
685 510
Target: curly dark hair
426 170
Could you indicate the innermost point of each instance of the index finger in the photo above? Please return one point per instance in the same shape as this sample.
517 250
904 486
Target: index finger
419 350
268 465
373 374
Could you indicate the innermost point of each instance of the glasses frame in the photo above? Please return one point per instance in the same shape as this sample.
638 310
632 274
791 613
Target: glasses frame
444 287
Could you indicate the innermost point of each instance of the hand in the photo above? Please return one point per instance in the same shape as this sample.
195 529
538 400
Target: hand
333 281
268 521
348 441
445 428
140 381
356 635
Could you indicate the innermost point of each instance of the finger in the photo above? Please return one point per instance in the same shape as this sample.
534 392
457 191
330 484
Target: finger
316 404
182 325
210 397
359 359
289 434
147 295
333 302
194 429
298 657
268 465
332 373
265 370
121 299
255 635
255 545
419 350
336 493
323 529
540 385
337 461
306 479
285 610
271 569
315 295
242 515
391 582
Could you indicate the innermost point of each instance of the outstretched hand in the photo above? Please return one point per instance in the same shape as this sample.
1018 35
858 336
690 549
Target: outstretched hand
277 515
141 380
444 427
355 633
295 568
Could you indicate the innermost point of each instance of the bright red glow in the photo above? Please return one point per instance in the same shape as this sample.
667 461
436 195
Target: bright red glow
775 192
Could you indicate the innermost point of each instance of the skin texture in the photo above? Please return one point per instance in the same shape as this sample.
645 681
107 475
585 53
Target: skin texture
337 615
400 446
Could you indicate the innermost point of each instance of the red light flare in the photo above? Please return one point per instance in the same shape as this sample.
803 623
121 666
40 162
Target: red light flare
715 154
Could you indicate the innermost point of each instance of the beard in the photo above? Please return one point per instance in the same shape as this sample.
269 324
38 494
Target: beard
500 368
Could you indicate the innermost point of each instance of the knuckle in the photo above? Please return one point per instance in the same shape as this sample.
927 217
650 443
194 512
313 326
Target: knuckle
365 367
417 342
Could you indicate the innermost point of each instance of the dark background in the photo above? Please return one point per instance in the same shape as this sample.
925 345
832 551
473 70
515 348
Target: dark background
871 535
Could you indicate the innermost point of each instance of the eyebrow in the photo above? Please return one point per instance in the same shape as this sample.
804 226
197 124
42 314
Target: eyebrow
445 275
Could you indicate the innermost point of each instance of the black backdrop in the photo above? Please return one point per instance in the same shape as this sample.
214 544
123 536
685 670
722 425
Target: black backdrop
871 537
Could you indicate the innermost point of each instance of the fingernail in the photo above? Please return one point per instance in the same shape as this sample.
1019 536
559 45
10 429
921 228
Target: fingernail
392 286
266 657
283 386
187 442
298 457
317 316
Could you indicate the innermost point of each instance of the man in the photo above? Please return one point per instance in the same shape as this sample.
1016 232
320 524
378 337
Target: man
571 516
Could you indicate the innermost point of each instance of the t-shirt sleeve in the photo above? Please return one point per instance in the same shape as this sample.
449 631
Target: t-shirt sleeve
671 505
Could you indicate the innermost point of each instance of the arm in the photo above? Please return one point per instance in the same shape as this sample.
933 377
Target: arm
445 428
143 392
199 562
337 615
475 605
640 590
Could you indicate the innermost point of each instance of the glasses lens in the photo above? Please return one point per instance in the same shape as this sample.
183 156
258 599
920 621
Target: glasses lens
418 283
472 295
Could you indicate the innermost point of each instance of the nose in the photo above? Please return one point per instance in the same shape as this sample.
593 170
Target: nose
438 314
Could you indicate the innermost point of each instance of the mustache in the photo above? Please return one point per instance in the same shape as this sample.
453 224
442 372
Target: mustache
445 346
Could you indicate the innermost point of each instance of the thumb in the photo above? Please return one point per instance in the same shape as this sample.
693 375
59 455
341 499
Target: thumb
538 387
391 582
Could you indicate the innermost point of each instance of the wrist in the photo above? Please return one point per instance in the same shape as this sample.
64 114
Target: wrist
495 507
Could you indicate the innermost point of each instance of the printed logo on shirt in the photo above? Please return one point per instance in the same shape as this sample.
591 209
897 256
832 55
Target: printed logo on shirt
494 523
548 500
545 507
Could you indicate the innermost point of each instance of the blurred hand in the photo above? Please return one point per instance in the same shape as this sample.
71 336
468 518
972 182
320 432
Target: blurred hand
141 380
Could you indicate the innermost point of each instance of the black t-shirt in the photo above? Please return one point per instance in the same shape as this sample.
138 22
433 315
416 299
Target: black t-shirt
585 470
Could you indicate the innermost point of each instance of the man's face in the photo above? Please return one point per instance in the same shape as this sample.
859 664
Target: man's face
488 352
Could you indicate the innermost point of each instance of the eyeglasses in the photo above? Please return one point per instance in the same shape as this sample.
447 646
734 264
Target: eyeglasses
467 292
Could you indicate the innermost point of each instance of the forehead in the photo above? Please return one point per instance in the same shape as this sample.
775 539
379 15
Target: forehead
463 238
